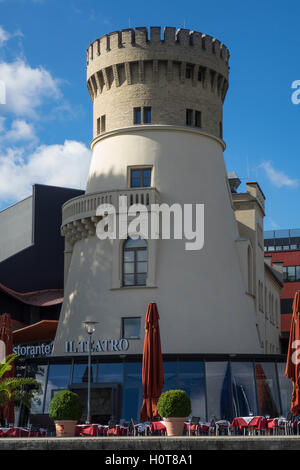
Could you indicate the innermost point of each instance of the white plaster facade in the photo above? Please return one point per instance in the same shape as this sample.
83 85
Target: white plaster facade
206 302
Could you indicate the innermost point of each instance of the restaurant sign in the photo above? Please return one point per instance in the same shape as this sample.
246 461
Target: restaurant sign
33 350
102 345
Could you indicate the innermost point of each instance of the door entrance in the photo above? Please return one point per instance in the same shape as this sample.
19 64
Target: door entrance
105 402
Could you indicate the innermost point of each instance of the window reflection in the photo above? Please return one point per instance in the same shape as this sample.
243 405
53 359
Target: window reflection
170 376
192 381
58 379
81 373
132 390
110 373
286 389
267 389
38 372
243 389
218 388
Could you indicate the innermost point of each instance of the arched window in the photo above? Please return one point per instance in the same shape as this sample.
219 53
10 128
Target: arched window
135 259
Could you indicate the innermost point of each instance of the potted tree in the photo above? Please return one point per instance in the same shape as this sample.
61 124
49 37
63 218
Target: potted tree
174 406
65 409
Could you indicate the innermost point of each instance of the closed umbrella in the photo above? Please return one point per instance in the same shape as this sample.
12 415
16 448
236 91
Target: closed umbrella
6 335
292 370
153 372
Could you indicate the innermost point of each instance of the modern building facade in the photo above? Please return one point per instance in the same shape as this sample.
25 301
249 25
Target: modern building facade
283 246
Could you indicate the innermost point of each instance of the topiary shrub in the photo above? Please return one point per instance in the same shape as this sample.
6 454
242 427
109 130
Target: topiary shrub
65 405
174 404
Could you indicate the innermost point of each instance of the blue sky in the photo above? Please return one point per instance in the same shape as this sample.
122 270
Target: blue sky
46 123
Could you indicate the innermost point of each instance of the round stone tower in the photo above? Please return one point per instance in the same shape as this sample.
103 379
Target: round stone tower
157 139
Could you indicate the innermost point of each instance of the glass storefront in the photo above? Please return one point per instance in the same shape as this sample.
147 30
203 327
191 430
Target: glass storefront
221 389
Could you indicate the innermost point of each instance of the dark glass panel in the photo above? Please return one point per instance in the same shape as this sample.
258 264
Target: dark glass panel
267 389
243 388
38 372
218 387
81 371
192 381
286 388
132 390
170 376
110 372
58 379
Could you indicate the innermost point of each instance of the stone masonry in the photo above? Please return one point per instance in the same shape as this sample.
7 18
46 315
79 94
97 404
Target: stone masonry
184 70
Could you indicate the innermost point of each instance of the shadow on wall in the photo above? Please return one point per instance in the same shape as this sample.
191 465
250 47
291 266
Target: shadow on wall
91 262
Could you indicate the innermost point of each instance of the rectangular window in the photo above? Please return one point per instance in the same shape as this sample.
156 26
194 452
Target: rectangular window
221 129
291 273
286 306
103 123
140 177
131 328
98 126
137 116
197 118
284 273
147 115
189 117
297 273
189 71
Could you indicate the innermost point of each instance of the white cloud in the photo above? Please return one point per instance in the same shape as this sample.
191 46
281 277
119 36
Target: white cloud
27 88
58 165
4 36
277 177
20 131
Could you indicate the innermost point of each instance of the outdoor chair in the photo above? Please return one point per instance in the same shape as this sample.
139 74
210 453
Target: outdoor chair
193 425
112 423
139 429
223 427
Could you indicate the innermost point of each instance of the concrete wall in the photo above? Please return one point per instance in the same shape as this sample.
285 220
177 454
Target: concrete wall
16 227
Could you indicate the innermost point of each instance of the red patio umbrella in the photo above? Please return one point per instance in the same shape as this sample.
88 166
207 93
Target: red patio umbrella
6 335
153 372
292 370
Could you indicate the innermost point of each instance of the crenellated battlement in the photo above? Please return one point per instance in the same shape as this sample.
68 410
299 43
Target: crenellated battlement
174 73
140 39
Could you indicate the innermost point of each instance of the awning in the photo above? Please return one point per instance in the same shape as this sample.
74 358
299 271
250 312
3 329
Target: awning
41 331
39 298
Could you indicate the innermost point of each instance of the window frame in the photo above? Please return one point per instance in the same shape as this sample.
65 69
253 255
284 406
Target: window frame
123 328
141 169
135 262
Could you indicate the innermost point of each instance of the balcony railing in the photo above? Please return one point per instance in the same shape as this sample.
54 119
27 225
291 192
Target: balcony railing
85 206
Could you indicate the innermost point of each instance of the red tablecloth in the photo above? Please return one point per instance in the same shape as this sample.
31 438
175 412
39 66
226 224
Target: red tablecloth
276 422
21 432
158 426
100 430
87 430
258 422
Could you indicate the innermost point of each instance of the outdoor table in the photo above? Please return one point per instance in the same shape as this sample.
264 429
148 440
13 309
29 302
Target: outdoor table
158 426
87 430
118 430
16 431
251 423
277 424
